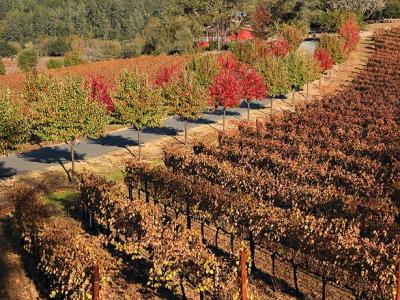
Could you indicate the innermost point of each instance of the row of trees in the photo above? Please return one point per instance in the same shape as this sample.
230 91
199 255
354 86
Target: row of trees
69 108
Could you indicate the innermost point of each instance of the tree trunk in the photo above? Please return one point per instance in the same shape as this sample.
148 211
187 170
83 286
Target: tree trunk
216 237
140 146
324 282
252 251
295 279
188 219
272 101
223 120
72 151
293 98
202 233
248 110
186 129
308 89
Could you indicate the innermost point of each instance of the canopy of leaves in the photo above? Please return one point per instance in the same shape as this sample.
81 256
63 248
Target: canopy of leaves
204 68
226 90
253 86
189 98
137 103
2 67
27 60
67 112
274 71
325 61
302 69
7 50
14 128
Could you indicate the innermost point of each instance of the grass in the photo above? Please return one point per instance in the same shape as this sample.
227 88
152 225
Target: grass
61 200
116 175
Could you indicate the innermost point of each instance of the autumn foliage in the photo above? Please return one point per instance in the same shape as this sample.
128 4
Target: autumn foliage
165 75
100 91
252 84
279 47
350 32
324 59
226 90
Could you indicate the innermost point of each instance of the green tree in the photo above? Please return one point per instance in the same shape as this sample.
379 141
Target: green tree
58 47
7 50
275 73
190 100
27 60
137 103
2 67
14 128
66 113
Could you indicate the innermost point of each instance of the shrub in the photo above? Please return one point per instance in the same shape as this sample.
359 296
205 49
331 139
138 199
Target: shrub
55 63
7 50
72 58
324 59
294 34
27 60
334 45
350 32
133 48
275 73
101 49
58 47
212 45
2 67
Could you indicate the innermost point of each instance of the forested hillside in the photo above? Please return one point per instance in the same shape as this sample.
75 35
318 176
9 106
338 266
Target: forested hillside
110 19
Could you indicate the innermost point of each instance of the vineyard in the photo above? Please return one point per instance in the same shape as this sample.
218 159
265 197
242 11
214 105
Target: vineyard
319 187
109 70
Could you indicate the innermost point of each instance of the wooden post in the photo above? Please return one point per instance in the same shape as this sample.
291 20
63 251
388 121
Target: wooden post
243 274
398 285
271 104
96 282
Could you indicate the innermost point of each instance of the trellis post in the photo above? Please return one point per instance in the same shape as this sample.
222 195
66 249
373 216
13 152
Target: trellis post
96 282
243 273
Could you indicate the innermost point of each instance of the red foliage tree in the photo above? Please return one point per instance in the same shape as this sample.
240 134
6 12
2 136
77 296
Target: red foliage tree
324 59
279 47
252 86
228 61
350 32
261 19
226 91
165 75
100 92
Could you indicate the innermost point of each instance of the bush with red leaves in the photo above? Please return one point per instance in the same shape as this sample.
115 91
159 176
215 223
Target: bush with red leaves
324 59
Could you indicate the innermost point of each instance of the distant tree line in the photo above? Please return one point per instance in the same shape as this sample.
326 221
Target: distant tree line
155 26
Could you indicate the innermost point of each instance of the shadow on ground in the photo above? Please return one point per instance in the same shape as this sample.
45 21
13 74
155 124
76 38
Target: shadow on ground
6 172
